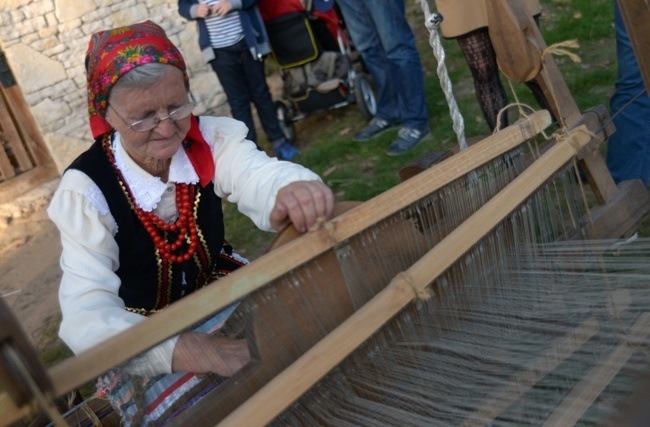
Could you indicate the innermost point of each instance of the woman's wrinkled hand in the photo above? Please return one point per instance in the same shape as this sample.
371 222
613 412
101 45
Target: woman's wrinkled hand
202 353
301 203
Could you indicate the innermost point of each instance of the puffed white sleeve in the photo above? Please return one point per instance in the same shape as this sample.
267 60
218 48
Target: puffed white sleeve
91 308
245 175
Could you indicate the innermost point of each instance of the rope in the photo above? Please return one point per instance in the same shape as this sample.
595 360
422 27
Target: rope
558 49
432 21
568 137
522 114
321 222
420 294
517 102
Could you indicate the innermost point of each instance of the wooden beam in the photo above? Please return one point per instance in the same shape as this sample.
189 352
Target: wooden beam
24 182
26 125
24 121
13 340
7 170
623 214
508 20
298 378
12 138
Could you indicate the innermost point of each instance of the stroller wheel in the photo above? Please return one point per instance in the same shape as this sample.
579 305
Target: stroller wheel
284 119
365 96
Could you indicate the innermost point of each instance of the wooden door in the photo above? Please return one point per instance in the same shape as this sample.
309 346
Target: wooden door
25 162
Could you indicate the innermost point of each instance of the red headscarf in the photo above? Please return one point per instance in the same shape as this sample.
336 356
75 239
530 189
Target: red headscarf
113 53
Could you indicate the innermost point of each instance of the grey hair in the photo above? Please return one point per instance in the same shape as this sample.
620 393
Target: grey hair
142 76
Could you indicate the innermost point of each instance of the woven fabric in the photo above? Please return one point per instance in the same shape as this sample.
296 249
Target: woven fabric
154 401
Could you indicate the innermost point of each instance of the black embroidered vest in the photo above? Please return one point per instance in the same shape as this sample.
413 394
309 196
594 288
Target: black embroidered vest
148 282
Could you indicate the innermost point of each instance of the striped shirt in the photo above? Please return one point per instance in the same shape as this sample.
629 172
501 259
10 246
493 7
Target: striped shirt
224 30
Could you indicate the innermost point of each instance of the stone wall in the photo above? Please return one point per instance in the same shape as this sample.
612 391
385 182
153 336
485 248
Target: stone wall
45 43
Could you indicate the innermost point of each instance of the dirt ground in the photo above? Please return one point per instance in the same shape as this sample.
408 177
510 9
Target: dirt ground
30 274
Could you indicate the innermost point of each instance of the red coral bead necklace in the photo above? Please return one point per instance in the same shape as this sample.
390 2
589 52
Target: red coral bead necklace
184 225
157 228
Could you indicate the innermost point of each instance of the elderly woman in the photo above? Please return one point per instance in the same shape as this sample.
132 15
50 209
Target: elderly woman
140 212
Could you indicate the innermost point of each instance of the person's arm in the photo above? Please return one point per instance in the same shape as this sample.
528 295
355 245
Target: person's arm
248 177
89 293
192 9
225 6
92 310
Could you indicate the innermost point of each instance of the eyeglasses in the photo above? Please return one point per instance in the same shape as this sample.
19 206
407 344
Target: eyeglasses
146 125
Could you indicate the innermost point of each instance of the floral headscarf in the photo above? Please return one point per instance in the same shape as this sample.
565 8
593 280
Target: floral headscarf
113 53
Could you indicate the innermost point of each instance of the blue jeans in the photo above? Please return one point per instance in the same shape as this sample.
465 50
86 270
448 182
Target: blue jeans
244 81
381 34
628 150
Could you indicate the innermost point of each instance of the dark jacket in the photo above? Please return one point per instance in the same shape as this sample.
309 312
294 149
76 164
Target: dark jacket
251 21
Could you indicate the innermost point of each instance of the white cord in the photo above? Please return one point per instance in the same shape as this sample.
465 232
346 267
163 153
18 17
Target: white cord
432 21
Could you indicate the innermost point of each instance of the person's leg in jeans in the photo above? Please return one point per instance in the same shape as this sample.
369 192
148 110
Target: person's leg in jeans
261 97
232 66
389 18
364 35
405 69
628 149
229 66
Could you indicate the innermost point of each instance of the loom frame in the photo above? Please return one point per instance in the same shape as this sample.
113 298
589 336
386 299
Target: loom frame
622 205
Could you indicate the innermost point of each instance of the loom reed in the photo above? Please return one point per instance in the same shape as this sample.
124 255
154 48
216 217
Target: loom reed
532 224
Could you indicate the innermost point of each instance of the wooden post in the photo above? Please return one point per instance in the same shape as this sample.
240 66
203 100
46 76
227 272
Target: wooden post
510 20
25 161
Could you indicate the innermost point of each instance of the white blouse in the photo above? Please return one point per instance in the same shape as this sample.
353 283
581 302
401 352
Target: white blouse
91 307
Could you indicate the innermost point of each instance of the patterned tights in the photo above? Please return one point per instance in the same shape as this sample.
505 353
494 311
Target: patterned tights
481 58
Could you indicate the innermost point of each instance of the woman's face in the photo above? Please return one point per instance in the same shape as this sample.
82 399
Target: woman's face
131 104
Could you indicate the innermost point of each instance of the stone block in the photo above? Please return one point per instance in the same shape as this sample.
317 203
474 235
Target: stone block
65 149
51 113
33 70
70 10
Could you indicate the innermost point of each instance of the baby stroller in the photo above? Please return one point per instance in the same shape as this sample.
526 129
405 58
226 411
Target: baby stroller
318 67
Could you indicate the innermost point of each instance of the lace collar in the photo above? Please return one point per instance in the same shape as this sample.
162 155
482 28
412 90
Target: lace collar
146 188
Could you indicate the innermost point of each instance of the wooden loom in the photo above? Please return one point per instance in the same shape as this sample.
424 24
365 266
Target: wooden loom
303 317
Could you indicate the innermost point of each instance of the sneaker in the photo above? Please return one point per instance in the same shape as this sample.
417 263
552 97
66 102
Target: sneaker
286 151
407 138
375 128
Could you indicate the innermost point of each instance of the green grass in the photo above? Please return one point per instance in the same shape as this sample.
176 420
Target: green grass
359 171
53 349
